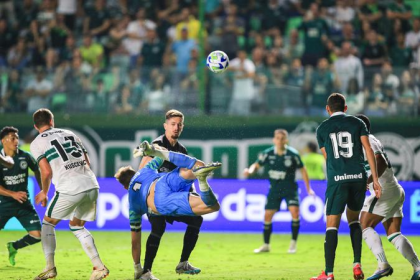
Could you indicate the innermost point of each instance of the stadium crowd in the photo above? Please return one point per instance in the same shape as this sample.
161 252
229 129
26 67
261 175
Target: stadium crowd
142 56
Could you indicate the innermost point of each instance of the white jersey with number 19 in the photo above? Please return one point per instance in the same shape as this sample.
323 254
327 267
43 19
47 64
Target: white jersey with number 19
65 154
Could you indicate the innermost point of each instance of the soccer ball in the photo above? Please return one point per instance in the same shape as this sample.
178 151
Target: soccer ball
217 62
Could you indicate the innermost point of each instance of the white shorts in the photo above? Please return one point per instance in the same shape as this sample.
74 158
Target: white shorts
65 206
389 205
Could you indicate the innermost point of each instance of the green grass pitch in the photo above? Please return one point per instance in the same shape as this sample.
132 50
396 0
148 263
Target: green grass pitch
220 256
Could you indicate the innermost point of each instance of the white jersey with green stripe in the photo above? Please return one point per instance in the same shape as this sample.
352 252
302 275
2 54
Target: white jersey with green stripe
65 153
387 179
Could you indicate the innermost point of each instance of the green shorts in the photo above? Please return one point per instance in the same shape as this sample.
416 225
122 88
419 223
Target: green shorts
339 195
25 214
275 197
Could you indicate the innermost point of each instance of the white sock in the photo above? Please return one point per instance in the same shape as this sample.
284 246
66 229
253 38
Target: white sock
203 185
374 243
48 243
406 249
88 244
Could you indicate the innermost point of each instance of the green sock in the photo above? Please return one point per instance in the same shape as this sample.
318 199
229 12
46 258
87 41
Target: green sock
268 229
330 245
295 229
356 241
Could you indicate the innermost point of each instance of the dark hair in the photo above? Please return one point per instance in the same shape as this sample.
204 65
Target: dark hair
353 86
42 117
124 175
312 147
336 102
365 119
6 130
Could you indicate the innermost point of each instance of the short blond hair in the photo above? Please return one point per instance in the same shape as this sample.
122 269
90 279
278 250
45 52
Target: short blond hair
281 131
124 175
173 114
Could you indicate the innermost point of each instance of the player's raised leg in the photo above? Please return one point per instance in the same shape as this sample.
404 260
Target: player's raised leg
368 222
402 244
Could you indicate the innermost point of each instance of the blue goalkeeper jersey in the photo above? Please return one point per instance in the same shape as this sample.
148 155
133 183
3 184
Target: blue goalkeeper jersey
138 191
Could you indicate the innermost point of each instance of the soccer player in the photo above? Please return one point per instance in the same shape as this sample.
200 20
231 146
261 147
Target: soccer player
166 194
174 124
63 159
281 162
14 194
388 210
341 139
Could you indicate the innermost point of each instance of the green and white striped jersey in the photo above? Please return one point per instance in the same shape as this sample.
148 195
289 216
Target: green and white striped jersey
65 154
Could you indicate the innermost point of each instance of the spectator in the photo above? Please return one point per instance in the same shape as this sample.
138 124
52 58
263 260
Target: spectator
127 102
19 56
273 71
408 96
374 53
370 12
355 98
321 83
66 54
68 9
115 48
243 84
98 101
157 96
152 51
38 92
341 14
314 162
136 32
97 20
11 101
390 81
26 13
7 9
57 34
274 17
91 52
294 47
412 40
182 50
188 21
316 32
190 82
296 74
232 28
397 10
7 40
400 55
348 66
375 98
348 35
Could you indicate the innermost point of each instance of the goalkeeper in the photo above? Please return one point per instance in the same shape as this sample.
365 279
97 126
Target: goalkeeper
165 193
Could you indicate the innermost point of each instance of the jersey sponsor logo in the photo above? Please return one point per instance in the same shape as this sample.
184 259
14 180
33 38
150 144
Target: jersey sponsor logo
136 186
46 134
33 221
15 179
276 175
75 164
348 177
23 164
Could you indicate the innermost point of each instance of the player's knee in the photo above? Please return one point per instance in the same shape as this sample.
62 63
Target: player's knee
215 207
35 233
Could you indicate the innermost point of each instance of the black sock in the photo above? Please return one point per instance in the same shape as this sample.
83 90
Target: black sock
330 245
295 229
191 236
268 229
356 241
25 241
152 245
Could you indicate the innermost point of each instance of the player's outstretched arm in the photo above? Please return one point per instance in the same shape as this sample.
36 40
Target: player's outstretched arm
305 178
251 170
46 176
372 163
136 252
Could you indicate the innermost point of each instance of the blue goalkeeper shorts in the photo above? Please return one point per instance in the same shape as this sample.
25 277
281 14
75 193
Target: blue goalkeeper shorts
172 194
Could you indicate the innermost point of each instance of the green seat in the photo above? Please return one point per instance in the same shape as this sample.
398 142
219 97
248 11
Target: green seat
58 101
293 23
